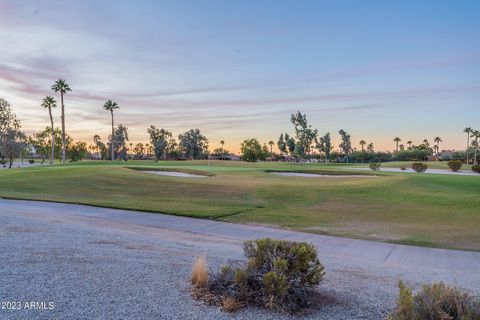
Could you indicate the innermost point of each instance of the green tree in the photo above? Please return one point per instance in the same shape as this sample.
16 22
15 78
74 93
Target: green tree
325 145
100 147
468 131
290 142
49 103
252 150
362 144
77 151
409 144
271 143
62 86
304 133
370 147
159 139
346 144
476 135
193 144
437 141
12 139
397 140
119 140
139 150
111 106
281 145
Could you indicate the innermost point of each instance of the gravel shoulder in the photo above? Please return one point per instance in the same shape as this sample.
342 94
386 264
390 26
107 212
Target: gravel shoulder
95 263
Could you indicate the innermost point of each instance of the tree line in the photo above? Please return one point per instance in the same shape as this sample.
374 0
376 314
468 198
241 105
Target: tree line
305 144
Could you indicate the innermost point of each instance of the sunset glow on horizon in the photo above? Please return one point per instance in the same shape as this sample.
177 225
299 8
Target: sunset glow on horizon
237 70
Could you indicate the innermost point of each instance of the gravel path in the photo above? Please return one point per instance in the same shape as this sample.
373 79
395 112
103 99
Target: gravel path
95 263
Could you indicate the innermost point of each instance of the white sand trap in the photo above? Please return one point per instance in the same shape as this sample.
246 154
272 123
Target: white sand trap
315 175
176 174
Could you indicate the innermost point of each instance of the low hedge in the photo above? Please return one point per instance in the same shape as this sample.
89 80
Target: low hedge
419 167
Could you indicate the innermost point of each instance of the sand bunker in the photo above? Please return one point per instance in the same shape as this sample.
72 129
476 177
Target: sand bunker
315 175
176 174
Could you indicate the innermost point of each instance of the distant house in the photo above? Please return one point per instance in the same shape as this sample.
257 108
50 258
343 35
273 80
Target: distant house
446 155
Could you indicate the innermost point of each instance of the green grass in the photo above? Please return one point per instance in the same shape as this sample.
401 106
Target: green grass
418 209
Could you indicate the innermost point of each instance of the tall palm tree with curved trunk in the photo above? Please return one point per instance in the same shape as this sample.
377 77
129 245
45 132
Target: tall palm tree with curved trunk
397 140
362 143
110 106
49 103
437 146
467 130
62 86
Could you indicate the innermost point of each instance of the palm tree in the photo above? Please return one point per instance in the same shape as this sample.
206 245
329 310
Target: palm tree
62 86
409 144
370 147
222 143
271 143
110 106
397 140
467 130
49 103
363 143
476 135
437 146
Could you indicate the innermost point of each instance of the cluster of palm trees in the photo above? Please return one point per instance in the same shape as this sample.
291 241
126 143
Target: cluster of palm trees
61 86
425 142
472 134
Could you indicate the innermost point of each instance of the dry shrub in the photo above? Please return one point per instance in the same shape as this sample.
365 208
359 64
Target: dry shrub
436 302
200 273
375 166
419 167
280 275
455 165
231 304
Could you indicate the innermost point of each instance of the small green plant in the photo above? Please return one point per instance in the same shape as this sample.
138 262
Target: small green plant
3 162
435 301
419 167
403 168
476 168
455 165
277 275
31 161
375 166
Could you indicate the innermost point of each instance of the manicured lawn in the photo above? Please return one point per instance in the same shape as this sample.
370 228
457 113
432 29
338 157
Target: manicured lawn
421 209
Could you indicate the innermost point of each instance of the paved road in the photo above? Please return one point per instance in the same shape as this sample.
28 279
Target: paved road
103 263
429 171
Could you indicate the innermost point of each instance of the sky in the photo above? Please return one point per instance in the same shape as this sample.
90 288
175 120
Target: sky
239 69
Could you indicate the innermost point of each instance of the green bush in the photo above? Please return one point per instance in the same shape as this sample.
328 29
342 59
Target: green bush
279 275
455 165
375 166
476 168
435 301
419 167
31 161
3 162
